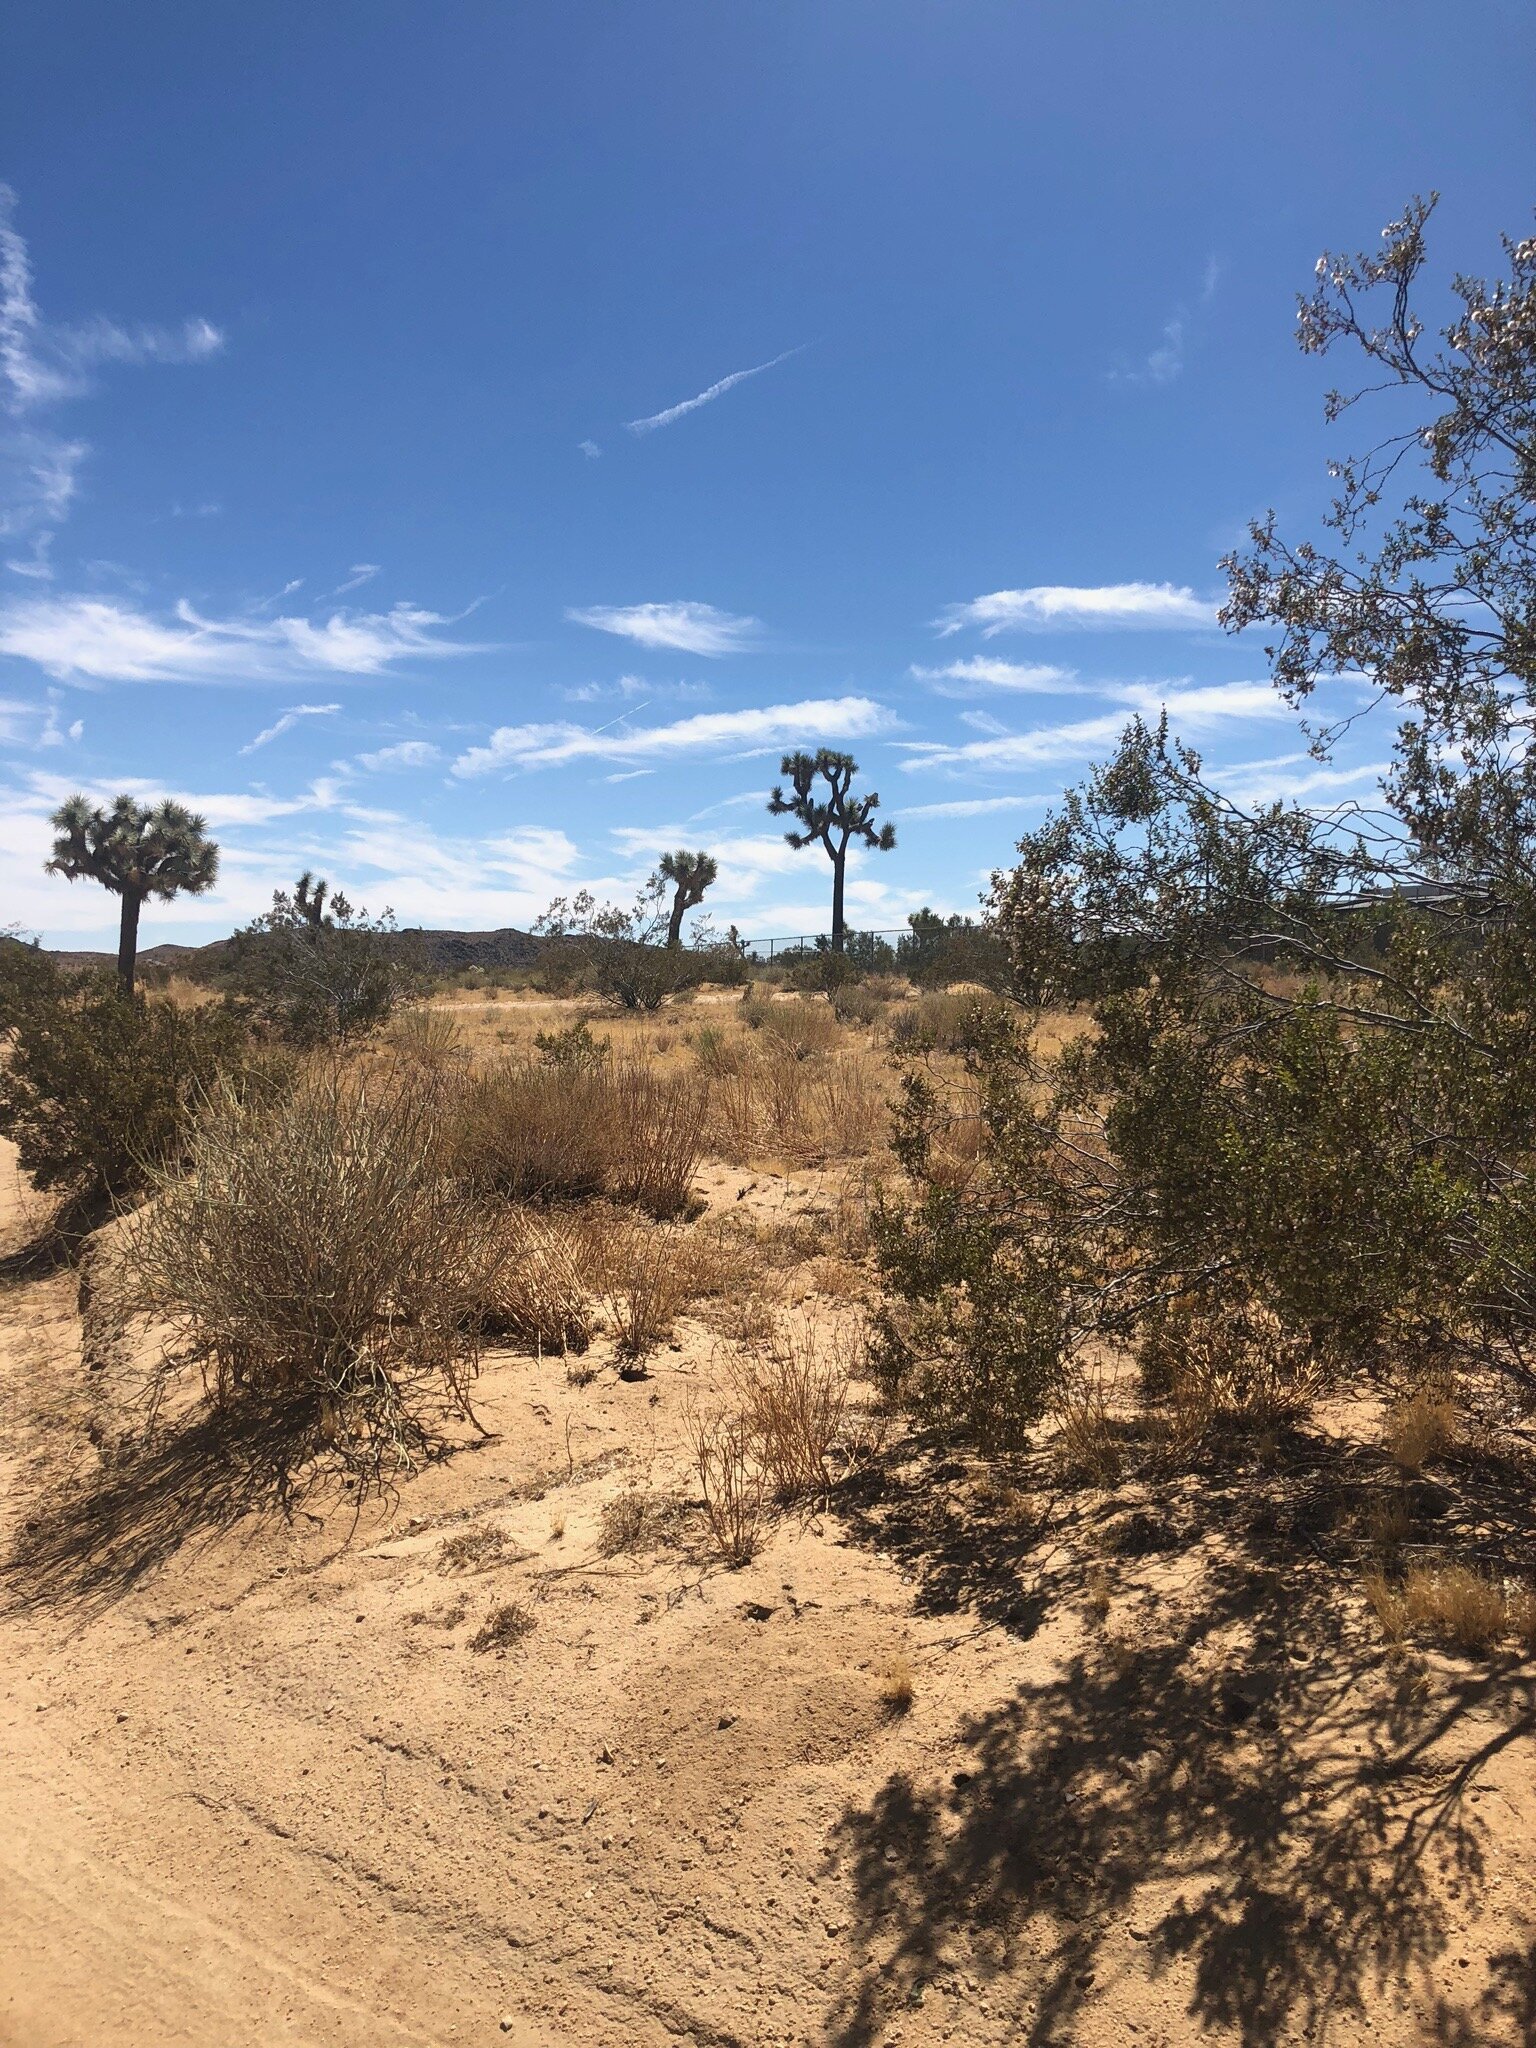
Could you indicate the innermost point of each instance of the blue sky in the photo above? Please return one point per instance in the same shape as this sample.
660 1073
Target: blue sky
459 449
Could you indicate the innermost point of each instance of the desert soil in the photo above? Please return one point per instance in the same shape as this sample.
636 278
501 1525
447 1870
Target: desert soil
1160 1781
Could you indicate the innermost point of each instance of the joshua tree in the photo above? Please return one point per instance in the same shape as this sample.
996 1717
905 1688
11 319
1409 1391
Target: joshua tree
836 820
690 875
136 851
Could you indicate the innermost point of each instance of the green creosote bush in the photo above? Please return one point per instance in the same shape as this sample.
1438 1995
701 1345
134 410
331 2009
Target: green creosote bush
1298 1134
98 1088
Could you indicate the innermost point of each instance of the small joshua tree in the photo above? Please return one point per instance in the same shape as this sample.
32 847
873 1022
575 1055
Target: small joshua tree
690 875
136 851
837 820
318 970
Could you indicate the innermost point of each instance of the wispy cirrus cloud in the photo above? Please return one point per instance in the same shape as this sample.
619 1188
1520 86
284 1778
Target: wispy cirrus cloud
42 364
1165 362
1191 708
1107 606
357 575
959 678
971 806
652 421
94 640
707 732
627 688
403 754
285 722
686 627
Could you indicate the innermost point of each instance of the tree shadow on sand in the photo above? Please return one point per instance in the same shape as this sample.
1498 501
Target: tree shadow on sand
1238 1779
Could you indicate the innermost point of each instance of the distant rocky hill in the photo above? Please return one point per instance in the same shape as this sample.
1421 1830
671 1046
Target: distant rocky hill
440 952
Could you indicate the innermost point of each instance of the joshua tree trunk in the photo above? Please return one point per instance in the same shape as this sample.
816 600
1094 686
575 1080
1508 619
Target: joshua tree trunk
128 939
675 923
839 863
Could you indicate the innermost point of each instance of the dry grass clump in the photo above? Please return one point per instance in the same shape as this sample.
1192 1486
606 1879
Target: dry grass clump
659 1123
541 1296
792 1401
473 1549
638 1519
567 1132
732 1483
941 1021
645 1274
898 1687
425 1033
503 1626
803 1026
1226 1365
1087 1444
535 1133
1419 1429
717 1053
777 1107
1453 1604
313 1250
860 1003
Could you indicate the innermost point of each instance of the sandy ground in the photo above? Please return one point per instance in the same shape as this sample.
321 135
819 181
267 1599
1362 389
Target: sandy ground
1159 1783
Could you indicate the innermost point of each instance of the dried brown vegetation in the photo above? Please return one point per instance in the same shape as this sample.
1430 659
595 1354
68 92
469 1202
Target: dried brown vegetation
314 1250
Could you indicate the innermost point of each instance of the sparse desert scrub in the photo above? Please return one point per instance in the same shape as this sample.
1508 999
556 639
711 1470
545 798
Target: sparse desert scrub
1418 1429
793 1394
473 1549
732 1482
638 1519
313 1251
1450 1603
645 1274
541 1291
1087 1444
568 1131
502 1627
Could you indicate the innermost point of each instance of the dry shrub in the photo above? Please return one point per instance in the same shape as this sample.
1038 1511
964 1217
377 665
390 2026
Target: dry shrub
1389 1522
792 1400
1419 1429
645 1274
845 1111
1450 1602
898 1687
860 1003
717 1053
1229 1365
941 1021
803 1026
426 1034
1087 1444
314 1251
541 1293
732 1483
778 1107
638 1519
502 1627
473 1549
566 1132
659 1122
535 1133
